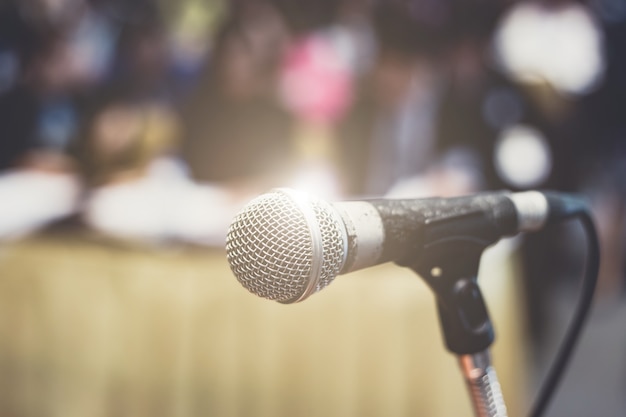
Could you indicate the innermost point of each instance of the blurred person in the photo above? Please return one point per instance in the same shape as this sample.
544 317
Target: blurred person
123 136
39 183
38 113
37 75
389 135
137 188
236 131
316 87
332 50
59 61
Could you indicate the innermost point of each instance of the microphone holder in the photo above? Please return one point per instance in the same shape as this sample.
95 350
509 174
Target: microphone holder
450 267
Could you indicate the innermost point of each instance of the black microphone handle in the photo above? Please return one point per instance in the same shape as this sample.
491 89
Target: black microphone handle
384 230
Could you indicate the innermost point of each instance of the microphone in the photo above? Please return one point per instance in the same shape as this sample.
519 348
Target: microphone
286 245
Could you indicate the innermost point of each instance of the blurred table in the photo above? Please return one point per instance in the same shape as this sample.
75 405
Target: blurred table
93 328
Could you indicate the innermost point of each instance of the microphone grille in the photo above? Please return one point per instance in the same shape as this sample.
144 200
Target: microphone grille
283 246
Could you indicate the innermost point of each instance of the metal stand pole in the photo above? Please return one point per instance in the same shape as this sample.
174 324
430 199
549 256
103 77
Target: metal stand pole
483 384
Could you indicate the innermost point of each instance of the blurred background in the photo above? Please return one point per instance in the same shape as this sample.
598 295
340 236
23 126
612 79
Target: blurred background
133 131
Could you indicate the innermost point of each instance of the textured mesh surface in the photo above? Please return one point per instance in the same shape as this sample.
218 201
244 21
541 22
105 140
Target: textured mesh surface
269 247
333 244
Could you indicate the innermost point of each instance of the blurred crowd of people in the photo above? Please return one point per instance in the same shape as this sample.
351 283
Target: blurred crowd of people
157 120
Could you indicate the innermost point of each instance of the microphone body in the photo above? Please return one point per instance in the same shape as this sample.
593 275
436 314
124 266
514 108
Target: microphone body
287 245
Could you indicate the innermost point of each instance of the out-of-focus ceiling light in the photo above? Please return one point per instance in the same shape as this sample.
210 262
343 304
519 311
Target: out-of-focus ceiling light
522 157
561 45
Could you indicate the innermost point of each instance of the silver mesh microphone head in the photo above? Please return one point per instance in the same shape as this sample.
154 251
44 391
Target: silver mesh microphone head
286 245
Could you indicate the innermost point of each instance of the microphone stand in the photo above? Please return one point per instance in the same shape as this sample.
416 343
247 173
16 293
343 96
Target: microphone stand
450 268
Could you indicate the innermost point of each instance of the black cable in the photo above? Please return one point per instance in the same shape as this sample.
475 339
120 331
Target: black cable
580 315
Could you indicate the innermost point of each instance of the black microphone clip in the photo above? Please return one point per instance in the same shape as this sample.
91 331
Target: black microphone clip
449 262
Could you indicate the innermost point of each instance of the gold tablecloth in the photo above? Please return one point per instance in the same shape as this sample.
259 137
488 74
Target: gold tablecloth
92 329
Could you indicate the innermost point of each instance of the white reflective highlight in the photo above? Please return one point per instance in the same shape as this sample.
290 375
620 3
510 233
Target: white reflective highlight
523 158
561 45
